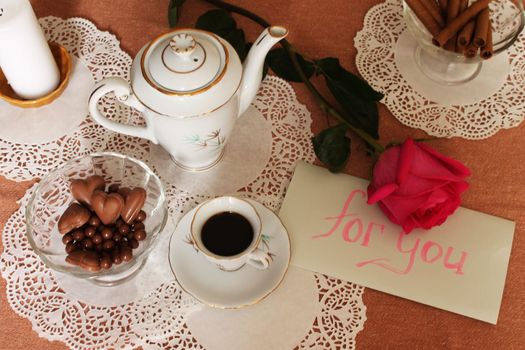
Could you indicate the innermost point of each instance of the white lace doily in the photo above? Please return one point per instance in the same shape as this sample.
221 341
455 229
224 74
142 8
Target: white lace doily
376 60
156 320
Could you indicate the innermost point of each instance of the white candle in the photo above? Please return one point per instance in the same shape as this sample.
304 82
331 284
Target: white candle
25 57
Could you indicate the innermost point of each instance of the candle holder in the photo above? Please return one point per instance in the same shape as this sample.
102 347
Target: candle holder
63 60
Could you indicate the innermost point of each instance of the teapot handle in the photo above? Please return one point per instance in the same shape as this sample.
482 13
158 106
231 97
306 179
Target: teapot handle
123 93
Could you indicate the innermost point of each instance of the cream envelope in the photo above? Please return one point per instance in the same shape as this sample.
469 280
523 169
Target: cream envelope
459 266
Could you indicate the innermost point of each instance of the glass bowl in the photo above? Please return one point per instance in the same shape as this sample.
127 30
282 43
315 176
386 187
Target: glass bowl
452 68
53 196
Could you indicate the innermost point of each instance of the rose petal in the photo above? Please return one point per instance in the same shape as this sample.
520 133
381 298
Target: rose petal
404 163
385 167
380 193
456 167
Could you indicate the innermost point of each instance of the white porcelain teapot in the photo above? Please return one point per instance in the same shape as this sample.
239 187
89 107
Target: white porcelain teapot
191 87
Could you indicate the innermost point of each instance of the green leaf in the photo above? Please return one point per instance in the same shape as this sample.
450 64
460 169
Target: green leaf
332 147
174 11
281 63
356 97
216 21
221 23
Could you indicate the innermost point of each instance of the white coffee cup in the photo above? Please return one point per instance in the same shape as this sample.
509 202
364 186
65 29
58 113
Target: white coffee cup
252 255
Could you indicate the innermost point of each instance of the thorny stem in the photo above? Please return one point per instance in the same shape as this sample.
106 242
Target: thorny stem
292 51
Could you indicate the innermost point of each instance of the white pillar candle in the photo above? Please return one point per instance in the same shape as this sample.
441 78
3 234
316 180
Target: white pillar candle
25 57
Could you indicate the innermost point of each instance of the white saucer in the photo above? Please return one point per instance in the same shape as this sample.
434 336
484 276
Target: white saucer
236 289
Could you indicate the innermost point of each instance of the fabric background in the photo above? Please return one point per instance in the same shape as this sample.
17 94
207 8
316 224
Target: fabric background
322 29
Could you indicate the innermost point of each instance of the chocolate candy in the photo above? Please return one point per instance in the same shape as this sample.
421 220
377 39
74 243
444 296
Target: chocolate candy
74 217
134 244
90 231
87 243
106 262
94 221
108 244
142 216
126 254
78 235
82 190
115 255
134 201
97 239
70 247
124 229
138 226
106 233
107 206
140 235
67 238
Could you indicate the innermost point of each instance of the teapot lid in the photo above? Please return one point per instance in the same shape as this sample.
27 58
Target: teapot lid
184 62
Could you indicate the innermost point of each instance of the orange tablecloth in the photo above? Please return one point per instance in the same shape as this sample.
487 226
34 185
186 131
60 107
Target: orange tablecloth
320 29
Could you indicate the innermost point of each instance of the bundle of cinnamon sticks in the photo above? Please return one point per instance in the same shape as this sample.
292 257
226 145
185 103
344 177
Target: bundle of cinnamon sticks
456 26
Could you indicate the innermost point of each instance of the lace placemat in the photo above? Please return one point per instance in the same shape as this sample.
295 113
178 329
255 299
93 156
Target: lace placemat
158 316
493 101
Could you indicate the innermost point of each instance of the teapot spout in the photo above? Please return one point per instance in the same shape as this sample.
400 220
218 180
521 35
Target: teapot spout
254 63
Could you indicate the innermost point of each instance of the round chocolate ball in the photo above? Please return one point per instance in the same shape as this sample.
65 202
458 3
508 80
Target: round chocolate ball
70 247
115 254
134 244
124 229
119 222
106 261
94 221
138 226
87 243
126 254
107 233
108 244
140 235
78 235
97 238
117 237
98 247
67 238
142 216
90 231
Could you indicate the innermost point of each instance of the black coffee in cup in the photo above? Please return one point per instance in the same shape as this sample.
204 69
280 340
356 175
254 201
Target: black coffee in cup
227 234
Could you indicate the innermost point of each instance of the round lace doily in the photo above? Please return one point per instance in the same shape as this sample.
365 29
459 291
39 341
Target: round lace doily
476 116
56 308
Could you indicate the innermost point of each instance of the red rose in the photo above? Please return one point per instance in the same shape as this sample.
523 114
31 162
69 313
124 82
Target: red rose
415 186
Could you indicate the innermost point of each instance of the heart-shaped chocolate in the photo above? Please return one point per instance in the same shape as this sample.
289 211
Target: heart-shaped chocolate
82 190
134 202
74 217
107 206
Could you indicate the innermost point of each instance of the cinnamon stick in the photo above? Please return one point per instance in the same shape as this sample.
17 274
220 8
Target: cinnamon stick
458 22
482 26
465 35
434 10
463 4
452 12
488 50
424 16
471 50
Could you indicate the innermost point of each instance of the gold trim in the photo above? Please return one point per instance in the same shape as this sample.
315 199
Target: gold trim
256 301
218 257
278 36
191 116
63 60
193 92
199 170
176 71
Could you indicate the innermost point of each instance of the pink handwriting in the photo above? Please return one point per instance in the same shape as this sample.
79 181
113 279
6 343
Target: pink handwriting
353 231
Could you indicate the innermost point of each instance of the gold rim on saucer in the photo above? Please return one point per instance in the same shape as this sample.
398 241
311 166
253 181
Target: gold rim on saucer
63 60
